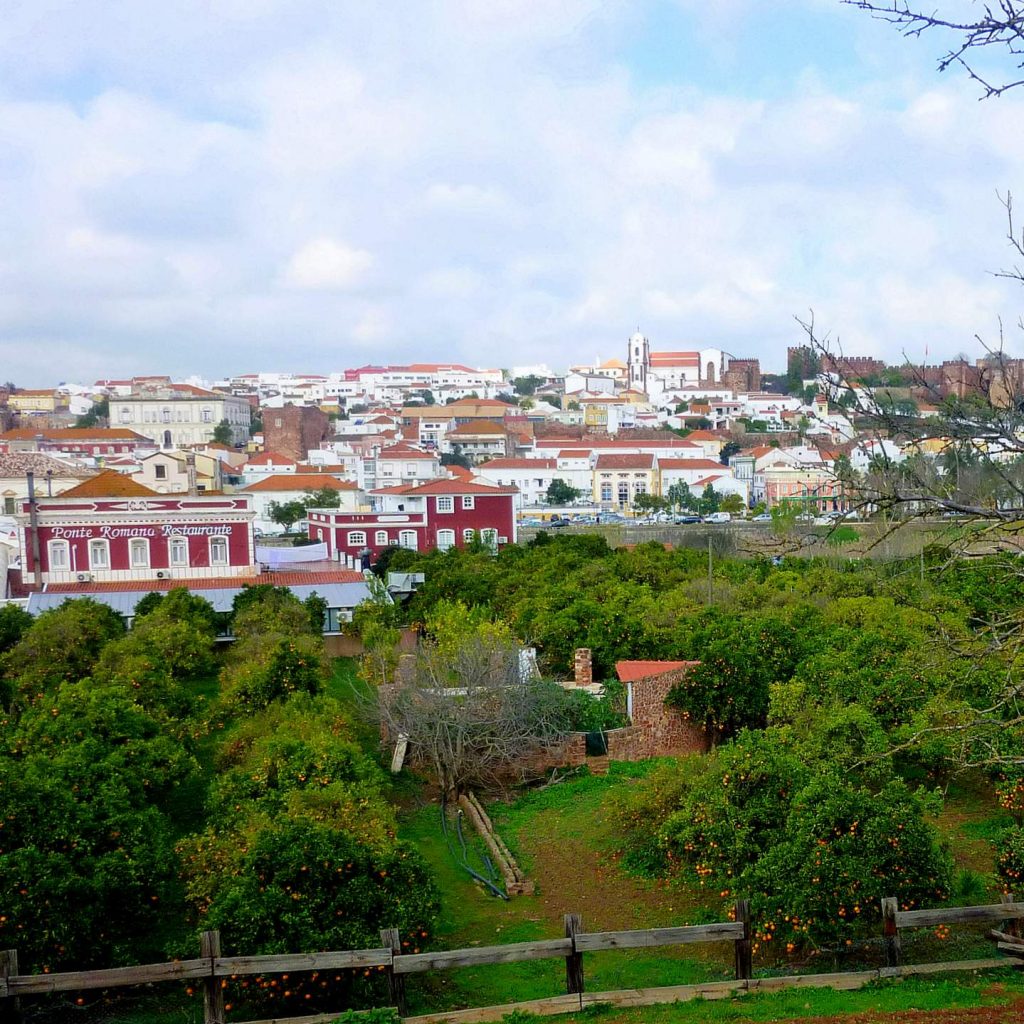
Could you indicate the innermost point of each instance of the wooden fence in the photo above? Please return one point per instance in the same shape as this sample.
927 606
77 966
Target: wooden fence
210 969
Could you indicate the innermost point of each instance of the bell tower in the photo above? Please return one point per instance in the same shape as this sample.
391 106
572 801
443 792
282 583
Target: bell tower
638 359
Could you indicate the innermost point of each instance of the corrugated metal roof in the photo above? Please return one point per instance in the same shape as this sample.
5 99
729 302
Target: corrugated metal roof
337 595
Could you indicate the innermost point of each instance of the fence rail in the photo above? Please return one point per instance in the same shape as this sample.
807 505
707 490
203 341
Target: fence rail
211 967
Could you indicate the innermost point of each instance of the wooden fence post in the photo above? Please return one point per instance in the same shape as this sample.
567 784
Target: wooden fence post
396 982
890 932
744 952
574 961
1011 927
213 993
10 1008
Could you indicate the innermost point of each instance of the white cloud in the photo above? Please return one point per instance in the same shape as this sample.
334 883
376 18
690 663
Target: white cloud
477 178
324 264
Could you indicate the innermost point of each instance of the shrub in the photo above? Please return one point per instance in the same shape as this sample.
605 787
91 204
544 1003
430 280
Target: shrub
1010 858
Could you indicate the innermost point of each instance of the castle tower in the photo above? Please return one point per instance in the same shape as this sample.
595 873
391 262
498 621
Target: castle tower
638 359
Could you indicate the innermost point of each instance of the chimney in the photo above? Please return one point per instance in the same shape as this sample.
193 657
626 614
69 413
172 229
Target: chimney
583 669
190 469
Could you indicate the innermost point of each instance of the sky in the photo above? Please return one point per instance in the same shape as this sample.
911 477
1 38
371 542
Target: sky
224 186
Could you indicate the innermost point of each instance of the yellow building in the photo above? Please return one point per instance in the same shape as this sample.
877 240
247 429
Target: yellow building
26 400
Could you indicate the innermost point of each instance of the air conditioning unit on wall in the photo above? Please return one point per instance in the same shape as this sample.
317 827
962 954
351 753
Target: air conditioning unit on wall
163 574
84 577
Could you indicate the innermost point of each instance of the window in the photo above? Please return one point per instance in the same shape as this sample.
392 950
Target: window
166 414
357 538
60 557
207 414
489 537
641 487
179 551
606 491
407 539
139 548
445 504
161 472
623 492
10 505
99 554
218 551
468 502
468 535
445 539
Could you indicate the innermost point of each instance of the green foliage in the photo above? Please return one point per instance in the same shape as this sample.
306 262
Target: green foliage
378 1015
813 850
323 497
560 493
316 608
86 863
222 433
1010 858
527 385
61 645
14 622
286 513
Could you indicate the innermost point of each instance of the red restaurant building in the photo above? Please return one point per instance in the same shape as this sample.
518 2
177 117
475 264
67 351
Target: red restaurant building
439 514
112 529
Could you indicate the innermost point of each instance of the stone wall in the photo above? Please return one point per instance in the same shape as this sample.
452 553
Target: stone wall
657 730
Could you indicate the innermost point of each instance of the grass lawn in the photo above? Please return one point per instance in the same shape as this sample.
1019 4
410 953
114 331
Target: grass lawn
564 842
988 998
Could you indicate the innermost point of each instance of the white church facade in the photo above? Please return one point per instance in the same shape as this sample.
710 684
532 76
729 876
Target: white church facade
658 373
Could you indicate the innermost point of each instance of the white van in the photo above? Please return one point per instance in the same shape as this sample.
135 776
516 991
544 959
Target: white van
718 517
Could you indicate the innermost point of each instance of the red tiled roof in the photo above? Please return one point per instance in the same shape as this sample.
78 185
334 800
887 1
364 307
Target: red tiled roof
110 484
480 427
631 671
520 464
283 579
599 444
706 435
625 462
265 458
675 359
459 472
404 452
101 434
300 482
574 453
446 486
690 464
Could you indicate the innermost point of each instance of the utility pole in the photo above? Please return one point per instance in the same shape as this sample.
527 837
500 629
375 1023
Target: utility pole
711 584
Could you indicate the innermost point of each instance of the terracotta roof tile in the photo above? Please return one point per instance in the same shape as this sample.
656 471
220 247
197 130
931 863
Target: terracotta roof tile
283 579
110 484
631 671
299 482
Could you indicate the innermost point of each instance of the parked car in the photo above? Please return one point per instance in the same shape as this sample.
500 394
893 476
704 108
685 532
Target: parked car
558 521
762 517
683 520
718 517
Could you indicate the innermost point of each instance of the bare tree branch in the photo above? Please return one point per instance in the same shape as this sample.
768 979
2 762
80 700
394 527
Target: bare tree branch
999 26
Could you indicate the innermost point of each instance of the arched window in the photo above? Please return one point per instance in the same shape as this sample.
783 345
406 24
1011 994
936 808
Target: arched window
445 540
167 439
490 537
381 537
407 539
357 538
468 534
710 373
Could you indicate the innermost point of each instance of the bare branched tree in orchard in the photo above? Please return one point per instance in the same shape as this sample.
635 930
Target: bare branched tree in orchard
983 29
473 716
